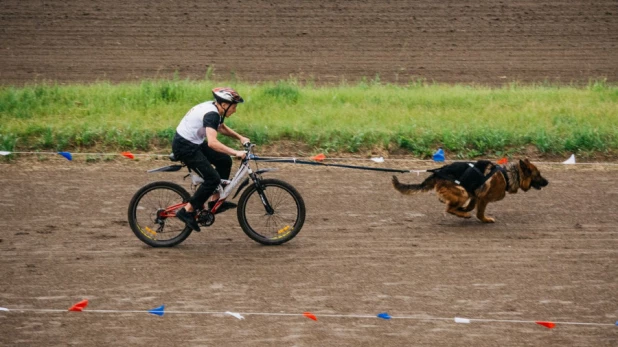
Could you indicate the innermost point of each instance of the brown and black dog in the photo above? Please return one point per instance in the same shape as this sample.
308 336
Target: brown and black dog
495 181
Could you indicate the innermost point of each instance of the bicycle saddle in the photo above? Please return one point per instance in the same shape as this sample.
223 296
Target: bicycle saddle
173 157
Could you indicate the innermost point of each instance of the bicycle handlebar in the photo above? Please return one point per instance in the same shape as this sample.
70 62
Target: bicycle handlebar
248 146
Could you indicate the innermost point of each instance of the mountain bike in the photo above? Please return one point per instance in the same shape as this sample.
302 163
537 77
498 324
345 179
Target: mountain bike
270 211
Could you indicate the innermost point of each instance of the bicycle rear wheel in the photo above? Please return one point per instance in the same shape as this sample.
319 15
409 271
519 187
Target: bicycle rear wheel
275 228
152 214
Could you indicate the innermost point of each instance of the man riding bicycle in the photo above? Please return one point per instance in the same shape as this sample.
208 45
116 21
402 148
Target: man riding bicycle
205 122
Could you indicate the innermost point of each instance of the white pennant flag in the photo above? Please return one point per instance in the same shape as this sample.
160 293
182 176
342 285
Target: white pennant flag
571 160
235 314
4 153
378 160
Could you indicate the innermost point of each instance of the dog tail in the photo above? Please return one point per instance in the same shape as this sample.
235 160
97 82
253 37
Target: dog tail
428 184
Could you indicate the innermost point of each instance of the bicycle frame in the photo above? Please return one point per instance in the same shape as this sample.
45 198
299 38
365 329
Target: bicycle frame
224 193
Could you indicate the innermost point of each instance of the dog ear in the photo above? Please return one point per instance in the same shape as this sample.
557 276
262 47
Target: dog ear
523 165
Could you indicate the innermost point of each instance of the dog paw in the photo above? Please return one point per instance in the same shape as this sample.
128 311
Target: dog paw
488 220
458 213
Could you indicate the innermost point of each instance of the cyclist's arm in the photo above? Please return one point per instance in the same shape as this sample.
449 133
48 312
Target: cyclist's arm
211 135
227 131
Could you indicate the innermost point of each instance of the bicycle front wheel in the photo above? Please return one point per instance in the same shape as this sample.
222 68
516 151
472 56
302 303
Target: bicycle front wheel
152 214
277 226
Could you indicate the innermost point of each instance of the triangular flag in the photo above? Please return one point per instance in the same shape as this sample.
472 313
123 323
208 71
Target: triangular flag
66 155
503 161
159 311
462 320
3 309
80 306
234 314
128 155
319 157
4 153
439 155
571 160
378 160
548 325
384 315
310 316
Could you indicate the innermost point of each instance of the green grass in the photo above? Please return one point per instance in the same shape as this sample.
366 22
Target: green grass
468 121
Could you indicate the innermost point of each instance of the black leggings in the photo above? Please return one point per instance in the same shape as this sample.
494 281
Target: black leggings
200 159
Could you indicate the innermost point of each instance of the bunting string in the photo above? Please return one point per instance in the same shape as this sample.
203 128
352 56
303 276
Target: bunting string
160 311
438 157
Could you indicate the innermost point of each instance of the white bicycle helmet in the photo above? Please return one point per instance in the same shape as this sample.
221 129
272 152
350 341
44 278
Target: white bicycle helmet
227 94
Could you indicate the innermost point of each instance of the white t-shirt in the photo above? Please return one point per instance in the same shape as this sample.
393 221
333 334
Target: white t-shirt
192 127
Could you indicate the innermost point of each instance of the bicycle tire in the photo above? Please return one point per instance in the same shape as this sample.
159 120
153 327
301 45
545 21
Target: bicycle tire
150 208
282 228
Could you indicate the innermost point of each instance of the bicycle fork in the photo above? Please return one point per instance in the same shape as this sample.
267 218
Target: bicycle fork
260 190
255 177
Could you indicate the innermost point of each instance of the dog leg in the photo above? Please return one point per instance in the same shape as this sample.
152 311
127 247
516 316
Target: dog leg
480 212
455 198
469 206
455 210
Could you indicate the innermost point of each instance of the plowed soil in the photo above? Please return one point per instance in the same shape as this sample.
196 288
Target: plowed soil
489 42
364 249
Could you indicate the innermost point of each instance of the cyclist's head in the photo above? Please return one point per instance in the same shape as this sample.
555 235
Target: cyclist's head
227 95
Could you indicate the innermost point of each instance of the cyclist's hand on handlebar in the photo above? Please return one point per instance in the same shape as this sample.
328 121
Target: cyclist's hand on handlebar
244 140
240 154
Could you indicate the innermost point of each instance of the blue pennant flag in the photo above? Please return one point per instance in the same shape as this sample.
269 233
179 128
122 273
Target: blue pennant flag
159 311
66 155
439 155
384 315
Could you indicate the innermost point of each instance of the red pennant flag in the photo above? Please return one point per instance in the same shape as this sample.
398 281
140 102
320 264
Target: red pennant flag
80 306
128 155
548 325
319 157
503 161
310 316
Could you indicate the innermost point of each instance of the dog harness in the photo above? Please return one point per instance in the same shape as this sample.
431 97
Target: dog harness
506 177
469 175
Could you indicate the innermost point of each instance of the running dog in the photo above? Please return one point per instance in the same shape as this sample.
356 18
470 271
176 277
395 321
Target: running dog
464 186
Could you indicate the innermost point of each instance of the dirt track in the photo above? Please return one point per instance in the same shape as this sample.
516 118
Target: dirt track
364 249
446 41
